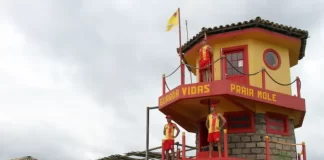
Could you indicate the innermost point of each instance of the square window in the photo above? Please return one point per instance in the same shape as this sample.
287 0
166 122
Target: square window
277 123
239 122
236 56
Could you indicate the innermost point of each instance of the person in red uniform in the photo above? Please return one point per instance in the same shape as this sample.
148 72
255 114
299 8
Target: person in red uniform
213 126
206 54
168 131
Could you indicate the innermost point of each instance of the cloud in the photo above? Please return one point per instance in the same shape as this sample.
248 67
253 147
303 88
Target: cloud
76 76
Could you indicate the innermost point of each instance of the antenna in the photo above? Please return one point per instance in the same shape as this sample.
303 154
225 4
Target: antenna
188 40
187 29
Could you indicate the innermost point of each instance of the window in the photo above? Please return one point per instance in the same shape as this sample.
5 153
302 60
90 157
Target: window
271 59
239 122
236 59
236 63
277 123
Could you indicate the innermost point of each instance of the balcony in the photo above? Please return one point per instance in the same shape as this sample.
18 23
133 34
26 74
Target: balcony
188 103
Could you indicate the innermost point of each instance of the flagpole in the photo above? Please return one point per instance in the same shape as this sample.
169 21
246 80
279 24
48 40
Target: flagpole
187 41
182 69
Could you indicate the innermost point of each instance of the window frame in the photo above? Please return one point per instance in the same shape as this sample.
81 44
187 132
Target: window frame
230 50
251 121
265 59
285 124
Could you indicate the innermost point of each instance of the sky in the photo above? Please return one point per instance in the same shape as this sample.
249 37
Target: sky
76 76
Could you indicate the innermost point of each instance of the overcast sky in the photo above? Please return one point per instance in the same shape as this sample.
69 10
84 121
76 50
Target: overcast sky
76 76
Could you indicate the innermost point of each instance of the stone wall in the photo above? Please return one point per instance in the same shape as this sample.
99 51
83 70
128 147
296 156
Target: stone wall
252 145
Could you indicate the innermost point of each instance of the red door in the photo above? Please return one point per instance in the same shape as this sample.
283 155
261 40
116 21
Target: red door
238 60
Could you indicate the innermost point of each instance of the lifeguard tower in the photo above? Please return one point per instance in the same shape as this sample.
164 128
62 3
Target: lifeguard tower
251 80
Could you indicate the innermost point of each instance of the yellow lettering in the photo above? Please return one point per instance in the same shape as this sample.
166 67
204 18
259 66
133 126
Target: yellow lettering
169 97
244 91
206 88
194 90
274 97
200 90
259 94
265 96
251 92
238 89
232 87
184 91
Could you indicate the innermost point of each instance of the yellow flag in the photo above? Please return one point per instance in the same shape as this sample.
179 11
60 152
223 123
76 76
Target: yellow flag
173 21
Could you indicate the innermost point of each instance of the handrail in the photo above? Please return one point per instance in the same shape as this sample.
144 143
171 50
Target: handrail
179 144
268 140
183 145
263 72
183 151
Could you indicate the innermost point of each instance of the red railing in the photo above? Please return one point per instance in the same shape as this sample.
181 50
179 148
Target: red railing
178 152
183 145
268 140
263 79
183 151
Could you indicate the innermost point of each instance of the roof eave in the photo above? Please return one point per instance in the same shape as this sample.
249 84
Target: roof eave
254 23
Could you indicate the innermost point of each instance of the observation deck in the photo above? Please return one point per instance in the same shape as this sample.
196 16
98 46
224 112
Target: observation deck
188 103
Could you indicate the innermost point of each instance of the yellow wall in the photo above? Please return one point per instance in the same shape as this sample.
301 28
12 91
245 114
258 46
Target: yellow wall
282 74
255 60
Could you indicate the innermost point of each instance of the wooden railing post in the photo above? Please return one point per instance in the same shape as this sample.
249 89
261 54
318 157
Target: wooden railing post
298 86
267 148
263 78
183 145
162 155
163 84
304 150
225 144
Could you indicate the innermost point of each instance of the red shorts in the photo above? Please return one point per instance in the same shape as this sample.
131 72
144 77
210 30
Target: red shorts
168 144
213 137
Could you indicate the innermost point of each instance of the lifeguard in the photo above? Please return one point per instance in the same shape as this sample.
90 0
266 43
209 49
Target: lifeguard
168 142
212 124
205 67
